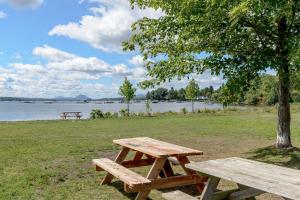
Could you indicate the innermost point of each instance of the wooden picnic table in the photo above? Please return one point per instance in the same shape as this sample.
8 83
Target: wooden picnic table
253 178
65 115
154 153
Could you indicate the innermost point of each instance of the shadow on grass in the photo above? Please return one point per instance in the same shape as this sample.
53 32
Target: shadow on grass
276 156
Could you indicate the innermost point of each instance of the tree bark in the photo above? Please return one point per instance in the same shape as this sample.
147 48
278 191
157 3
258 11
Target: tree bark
284 115
193 106
128 108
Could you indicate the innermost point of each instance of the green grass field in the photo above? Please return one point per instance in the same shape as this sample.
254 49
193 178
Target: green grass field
52 159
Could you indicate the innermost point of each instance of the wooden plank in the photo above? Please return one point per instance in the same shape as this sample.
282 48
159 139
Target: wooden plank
273 179
119 159
156 148
138 156
125 175
210 188
153 173
168 171
221 195
243 187
133 164
244 194
183 160
177 195
170 182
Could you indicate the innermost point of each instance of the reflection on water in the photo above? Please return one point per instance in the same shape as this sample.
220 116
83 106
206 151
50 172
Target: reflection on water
17 111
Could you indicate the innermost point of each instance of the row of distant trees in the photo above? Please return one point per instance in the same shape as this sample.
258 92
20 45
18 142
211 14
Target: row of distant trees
263 90
162 94
191 92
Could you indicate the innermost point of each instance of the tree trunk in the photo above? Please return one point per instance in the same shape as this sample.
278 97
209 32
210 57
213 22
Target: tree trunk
284 115
128 108
193 106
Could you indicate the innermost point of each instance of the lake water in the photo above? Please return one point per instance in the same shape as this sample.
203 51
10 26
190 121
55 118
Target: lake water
20 111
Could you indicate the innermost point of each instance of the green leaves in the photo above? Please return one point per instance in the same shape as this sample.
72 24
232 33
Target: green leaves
127 90
240 38
192 90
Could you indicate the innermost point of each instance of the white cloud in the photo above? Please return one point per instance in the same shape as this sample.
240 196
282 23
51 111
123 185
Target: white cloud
79 64
66 74
52 54
108 26
20 4
137 61
28 68
2 15
63 72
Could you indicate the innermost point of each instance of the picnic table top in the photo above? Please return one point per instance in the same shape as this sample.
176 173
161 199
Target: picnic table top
156 148
273 179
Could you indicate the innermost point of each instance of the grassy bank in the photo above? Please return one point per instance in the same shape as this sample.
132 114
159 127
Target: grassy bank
52 159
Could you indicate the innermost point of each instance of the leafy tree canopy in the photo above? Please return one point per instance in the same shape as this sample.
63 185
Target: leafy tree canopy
192 90
127 91
240 38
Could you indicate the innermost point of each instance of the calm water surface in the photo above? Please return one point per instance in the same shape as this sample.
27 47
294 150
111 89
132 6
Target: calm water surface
20 111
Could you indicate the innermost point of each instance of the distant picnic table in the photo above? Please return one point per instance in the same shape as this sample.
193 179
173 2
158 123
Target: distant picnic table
252 177
65 115
150 152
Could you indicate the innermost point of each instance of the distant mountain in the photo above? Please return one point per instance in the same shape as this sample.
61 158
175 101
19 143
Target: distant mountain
80 97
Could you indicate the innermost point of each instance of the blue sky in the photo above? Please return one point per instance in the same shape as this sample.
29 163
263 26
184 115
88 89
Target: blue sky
70 47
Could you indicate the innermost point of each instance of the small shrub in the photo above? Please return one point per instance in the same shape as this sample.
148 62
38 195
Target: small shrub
134 114
184 110
96 114
108 115
141 114
124 113
115 115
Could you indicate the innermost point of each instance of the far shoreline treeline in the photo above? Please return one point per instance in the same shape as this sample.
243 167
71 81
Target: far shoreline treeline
263 90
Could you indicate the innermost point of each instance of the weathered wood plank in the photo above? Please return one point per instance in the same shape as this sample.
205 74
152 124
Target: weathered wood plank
156 148
273 179
210 188
164 183
125 175
244 194
177 195
183 160
153 174
132 164
119 159
221 195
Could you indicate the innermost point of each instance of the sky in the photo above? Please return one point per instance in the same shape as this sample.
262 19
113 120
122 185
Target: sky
55 48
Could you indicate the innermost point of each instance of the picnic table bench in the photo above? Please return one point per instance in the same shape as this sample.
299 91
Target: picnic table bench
65 115
253 178
154 153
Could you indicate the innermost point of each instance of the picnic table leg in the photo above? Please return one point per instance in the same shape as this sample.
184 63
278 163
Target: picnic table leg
138 156
119 159
242 187
167 170
153 173
183 160
209 188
